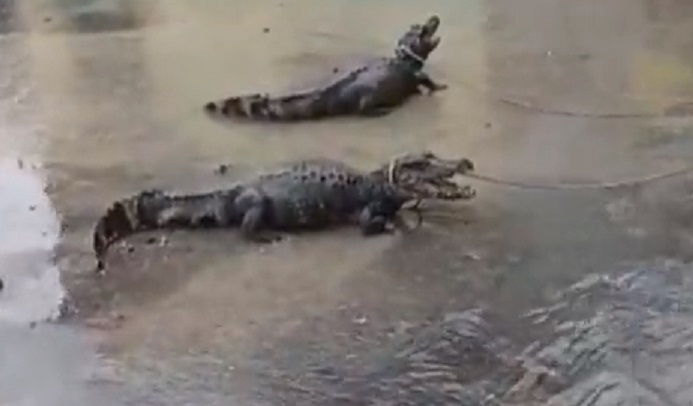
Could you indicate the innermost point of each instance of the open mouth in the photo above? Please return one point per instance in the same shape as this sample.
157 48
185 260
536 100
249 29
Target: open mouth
428 31
446 169
430 176
430 28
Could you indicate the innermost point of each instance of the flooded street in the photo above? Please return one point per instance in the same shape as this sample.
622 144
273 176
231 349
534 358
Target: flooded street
571 297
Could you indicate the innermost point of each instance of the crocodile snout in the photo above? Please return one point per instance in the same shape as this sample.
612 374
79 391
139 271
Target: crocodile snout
432 25
464 166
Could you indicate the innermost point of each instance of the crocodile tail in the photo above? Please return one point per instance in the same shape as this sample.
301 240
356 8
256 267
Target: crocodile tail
151 210
294 107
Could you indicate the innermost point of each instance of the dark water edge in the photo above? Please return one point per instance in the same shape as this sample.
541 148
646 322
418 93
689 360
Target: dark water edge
610 339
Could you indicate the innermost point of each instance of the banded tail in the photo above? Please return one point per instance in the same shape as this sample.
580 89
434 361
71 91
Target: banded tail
152 210
295 107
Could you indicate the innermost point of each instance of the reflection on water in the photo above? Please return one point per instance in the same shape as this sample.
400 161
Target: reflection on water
30 231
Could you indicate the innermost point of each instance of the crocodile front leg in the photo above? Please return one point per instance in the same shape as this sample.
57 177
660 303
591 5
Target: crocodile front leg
373 220
372 224
424 80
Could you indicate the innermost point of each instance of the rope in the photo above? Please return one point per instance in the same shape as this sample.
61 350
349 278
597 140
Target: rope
575 186
557 112
566 113
392 168
522 185
419 216
407 51
394 162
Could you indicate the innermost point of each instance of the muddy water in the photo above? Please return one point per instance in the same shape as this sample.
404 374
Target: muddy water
118 87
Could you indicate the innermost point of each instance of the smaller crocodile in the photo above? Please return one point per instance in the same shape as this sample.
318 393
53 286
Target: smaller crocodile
304 195
370 90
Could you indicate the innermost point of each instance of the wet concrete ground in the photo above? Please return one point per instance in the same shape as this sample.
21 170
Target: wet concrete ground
105 96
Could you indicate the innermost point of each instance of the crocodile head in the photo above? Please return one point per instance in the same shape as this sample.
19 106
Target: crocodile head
419 41
428 176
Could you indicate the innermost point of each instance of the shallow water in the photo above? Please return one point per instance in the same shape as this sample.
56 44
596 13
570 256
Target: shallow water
44 364
107 96
33 283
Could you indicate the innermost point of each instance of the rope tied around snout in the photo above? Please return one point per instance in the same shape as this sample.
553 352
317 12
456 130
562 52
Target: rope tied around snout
408 52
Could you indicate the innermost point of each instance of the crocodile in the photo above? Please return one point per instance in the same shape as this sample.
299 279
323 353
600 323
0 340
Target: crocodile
372 89
303 195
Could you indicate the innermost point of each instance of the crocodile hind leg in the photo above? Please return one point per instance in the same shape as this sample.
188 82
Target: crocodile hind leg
254 227
368 107
426 81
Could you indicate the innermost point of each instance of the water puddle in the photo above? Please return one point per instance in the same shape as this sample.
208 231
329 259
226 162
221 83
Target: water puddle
32 290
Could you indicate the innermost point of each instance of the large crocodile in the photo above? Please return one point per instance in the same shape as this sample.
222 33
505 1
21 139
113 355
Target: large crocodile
370 90
308 194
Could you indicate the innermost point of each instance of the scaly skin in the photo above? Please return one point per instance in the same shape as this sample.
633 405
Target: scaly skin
371 90
309 194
